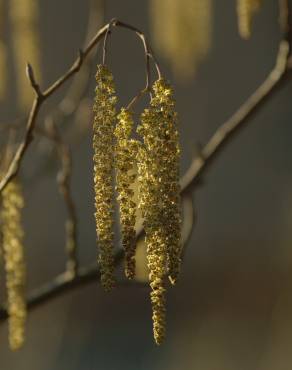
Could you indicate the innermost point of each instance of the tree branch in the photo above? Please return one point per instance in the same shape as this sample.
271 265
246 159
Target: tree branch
238 120
63 181
42 96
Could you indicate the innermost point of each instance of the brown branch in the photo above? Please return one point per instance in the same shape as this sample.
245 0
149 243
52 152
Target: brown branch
238 120
65 282
61 284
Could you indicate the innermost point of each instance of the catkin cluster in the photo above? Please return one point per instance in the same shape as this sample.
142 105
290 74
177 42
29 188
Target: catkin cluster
158 168
125 159
246 10
12 239
156 157
103 145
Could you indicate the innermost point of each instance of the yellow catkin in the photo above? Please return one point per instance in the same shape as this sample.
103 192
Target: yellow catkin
246 10
158 169
173 22
24 16
125 160
12 239
103 145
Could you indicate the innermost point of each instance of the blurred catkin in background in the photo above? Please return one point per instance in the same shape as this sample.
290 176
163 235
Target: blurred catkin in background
24 18
182 33
12 244
246 9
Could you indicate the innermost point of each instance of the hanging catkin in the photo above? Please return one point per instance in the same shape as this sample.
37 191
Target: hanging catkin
158 168
12 239
125 159
103 145
246 9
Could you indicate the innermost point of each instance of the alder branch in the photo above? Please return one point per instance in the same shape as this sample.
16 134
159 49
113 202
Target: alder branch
61 284
65 282
238 120
42 96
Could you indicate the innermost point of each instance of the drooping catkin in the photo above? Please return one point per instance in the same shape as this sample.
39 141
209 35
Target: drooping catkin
103 145
13 254
125 159
169 173
158 168
246 9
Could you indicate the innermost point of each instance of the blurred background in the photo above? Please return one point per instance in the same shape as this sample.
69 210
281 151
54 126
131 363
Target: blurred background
232 308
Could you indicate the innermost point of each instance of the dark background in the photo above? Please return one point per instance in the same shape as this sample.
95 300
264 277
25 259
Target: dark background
232 308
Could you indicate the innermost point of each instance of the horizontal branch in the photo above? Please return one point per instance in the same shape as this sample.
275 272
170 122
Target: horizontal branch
61 284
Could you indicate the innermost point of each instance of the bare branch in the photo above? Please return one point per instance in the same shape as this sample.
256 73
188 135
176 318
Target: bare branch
237 121
61 284
63 180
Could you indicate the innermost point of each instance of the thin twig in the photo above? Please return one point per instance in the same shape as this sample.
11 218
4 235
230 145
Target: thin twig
238 120
64 180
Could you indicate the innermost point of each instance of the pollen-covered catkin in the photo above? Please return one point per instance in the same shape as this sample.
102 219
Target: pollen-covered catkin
169 173
246 10
103 145
158 168
12 239
125 159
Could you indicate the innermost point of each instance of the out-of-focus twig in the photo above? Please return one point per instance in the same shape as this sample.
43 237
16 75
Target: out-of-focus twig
189 219
64 181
